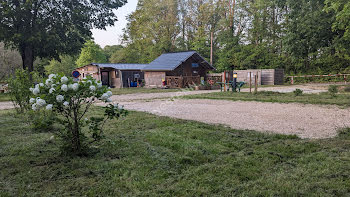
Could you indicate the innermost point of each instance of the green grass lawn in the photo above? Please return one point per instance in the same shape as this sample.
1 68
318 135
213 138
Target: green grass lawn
147 155
4 97
322 98
119 91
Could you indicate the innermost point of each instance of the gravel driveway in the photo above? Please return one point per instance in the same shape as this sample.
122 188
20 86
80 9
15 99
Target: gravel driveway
6 105
305 121
306 88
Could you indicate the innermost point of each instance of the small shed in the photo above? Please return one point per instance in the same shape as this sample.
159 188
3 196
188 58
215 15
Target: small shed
176 69
114 75
265 76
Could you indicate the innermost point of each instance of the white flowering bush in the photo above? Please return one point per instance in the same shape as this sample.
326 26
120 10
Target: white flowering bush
70 101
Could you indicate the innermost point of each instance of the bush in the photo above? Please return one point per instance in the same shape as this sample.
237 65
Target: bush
298 92
333 90
70 101
19 90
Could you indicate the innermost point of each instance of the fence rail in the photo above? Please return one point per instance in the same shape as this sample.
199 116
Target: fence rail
182 81
320 76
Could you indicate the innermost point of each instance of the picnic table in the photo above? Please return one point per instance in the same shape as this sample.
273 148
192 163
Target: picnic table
239 84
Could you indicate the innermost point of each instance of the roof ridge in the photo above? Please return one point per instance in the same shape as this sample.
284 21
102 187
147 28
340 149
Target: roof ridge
121 63
179 52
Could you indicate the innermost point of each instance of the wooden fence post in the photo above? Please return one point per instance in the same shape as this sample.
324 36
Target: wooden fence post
250 82
256 84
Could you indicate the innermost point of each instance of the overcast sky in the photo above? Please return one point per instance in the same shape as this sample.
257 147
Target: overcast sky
112 35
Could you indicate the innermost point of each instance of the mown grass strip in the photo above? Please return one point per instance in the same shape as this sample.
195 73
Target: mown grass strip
149 155
322 98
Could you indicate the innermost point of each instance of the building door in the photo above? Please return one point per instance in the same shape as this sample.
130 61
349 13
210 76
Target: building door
105 78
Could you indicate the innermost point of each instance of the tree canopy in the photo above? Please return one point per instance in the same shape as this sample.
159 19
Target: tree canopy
307 36
65 66
45 28
91 53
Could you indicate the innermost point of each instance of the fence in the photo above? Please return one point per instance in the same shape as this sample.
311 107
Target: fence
181 81
320 76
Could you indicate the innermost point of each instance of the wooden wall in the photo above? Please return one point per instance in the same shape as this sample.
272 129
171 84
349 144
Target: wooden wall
89 70
95 72
185 69
265 76
243 75
154 79
279 76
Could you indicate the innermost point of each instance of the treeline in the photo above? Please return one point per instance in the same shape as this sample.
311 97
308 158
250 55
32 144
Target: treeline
304 36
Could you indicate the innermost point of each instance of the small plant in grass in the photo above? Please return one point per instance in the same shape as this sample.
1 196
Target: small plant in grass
70 101
347 88
333 90
298 92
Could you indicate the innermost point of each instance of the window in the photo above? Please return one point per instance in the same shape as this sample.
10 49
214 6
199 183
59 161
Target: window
195 65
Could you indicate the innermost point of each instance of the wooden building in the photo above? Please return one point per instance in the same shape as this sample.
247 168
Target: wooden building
176 70
265 76
114 75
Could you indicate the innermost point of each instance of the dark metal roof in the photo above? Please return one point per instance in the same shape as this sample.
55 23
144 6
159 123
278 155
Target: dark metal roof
170 61
121 66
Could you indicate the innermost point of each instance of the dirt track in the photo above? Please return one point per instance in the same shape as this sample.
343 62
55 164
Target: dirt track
306 121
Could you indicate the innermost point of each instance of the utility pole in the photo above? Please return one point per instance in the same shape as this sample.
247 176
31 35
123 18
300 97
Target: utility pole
211 49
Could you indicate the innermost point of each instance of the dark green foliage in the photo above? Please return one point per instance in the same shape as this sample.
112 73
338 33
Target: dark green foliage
44 28
91 53
110 50
66 65
303 37
157 156
298 92
19 89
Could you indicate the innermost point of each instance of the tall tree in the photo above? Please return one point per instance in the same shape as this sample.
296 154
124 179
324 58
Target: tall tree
91 53
46 28
341 25
110 50
66 65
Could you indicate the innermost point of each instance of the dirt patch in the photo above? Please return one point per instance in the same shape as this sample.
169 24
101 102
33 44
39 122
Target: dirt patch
306 88
305 121
6 105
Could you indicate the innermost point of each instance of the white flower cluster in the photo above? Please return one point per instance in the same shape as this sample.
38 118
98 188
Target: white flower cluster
52 76
64 79
39 103
106 96
59 98
60 89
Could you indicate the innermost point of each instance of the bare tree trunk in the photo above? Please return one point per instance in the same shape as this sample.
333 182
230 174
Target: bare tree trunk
27 54
76 135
